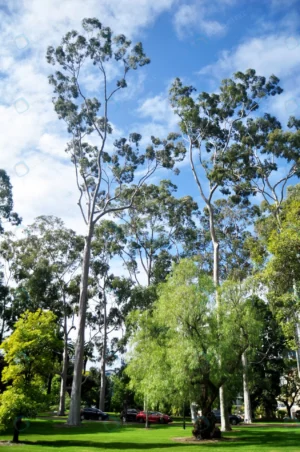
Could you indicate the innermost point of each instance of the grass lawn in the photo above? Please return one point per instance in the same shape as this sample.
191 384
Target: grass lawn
52 435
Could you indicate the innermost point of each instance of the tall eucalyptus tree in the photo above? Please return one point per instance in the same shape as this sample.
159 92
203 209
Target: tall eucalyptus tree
216 132
103 169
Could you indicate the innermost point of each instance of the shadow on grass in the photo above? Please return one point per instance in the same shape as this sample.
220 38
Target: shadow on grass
277 439
110 445
110 427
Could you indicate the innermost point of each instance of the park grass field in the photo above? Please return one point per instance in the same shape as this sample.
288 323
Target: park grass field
53 435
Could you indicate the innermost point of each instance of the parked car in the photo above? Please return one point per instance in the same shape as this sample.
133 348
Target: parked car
153 416
233 419
93 413
129 414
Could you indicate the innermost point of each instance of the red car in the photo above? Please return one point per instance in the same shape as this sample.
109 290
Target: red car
153 416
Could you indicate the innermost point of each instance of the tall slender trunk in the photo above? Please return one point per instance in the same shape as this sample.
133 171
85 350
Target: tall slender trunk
3 323
147 415
103 359
63 381
247 401
225 424
74 415
297 331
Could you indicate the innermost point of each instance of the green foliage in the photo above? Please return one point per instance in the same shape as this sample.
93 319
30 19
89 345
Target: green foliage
216 126
278 246
122 395
28 352
156 229
101 174
266 361
176 347
6 202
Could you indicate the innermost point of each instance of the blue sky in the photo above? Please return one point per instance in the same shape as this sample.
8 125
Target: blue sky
200 41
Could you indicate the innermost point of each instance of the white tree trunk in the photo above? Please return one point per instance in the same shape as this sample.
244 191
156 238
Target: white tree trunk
194 411
297 331
225 424
103 358
247 402
63 381
74 415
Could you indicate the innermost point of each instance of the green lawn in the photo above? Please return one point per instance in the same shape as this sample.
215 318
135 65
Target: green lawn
51 435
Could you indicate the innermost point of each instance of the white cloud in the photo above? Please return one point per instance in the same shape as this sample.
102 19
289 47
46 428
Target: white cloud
33 140
158 108
193 17
268 54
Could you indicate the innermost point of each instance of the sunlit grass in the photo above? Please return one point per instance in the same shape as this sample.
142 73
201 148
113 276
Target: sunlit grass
53 435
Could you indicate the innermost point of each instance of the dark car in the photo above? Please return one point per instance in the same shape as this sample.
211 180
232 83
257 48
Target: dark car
153 416
233 419
93 413
129 414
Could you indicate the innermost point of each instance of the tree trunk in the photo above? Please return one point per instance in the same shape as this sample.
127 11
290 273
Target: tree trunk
297 331
49 384
17 427
193 412
147 415
247 401
63 381
16 436
74 415
103 359
288 408
225 424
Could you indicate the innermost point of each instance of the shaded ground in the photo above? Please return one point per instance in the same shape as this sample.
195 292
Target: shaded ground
47 436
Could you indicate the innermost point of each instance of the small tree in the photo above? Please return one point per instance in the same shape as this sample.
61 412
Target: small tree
29 357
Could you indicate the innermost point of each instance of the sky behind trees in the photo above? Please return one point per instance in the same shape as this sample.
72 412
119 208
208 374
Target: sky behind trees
198 41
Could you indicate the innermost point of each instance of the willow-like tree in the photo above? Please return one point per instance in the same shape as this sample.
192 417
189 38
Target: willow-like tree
184 335
102 168
215 129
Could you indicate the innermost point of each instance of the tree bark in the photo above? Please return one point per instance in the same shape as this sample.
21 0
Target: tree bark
17 427
74 415
193 411
16 436
247 401
225 424
147 415
49 384
63 381
297 332
103 359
